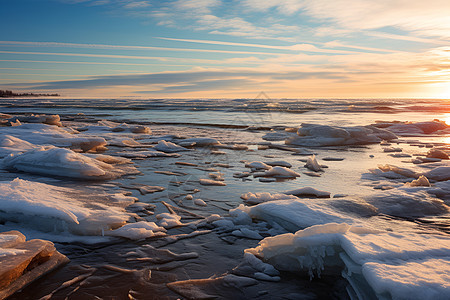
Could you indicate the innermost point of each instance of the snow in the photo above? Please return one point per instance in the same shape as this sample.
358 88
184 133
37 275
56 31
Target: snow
313 135
138 230
199 202
312 164
422 279
256 198
13 145
398 265
168 220
169 147
204 181
407 202
294 214
257 165
414 129
438 173
47 119
421 181
52 208
309 191
437 153
42 134
278 172
55 161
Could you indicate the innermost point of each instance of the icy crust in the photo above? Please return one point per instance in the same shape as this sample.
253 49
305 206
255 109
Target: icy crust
42 134
313 135
294 214
415 128
12 145
422 279
394 265
439 173
55 161
58 210
409 202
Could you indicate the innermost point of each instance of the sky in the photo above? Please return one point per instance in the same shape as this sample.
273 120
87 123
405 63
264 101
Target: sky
226 49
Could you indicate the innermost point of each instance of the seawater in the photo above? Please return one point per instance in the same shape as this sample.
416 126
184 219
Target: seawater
115 276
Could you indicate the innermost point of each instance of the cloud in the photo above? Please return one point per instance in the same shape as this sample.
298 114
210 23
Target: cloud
121 47
185 79
137 5
430 18
208 85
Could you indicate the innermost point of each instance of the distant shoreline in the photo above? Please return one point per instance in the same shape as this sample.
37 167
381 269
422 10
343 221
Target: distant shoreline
11 94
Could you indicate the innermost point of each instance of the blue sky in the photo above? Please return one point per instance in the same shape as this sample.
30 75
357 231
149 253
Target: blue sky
218 48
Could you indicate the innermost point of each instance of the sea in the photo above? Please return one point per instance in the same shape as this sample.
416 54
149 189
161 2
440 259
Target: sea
205 259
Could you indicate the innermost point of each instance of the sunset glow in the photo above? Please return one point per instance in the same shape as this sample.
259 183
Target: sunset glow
216 49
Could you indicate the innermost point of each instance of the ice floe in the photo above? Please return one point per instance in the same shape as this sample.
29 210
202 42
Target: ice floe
309 191
169 147
56 209
377 264
66 163
313 135
277 172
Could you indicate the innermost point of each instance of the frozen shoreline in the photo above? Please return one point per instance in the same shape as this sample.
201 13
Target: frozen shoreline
138 203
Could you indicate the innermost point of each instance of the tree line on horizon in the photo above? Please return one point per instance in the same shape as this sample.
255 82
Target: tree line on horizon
8 93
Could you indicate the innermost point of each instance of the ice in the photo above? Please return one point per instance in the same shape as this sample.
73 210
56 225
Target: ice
309 191
312 135
64 162
377 264
204 181
414 129
257 165
26 262
169 147
421 181
138 230
13 145
294 214
422 279
55 209
438 173
407 202
10 239
277 136
256 198
437 153
279 163
199 202
392 149
278 172
267 179
312 164
247 233
46 119
42 134
146 154
394 172
109 126
168 220
199 142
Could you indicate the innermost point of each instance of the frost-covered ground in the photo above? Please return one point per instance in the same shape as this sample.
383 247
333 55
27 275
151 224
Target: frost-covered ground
153 211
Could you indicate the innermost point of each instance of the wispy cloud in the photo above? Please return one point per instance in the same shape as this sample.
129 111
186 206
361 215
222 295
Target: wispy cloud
137 4
122 47
423 17
408 38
